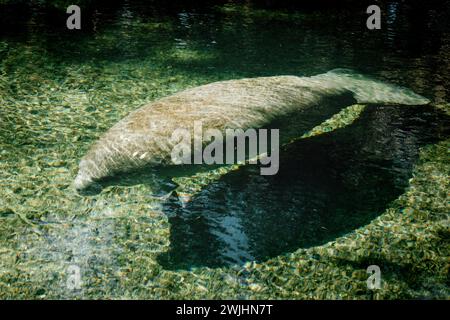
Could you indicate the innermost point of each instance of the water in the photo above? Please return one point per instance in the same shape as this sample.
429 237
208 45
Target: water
139 237
327 186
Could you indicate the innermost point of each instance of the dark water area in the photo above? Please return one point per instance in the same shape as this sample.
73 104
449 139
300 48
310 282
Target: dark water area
327 186
254 38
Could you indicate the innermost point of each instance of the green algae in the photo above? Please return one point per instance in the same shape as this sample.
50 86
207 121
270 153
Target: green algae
52 109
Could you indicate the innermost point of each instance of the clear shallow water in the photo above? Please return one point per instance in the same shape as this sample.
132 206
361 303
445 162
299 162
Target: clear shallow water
60 90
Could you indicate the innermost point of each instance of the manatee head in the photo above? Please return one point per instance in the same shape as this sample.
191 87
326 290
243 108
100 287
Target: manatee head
84 180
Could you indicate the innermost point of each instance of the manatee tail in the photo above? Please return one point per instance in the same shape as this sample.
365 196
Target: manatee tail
368 90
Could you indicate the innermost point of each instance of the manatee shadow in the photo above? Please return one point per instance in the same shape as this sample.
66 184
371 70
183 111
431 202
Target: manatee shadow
158 178
327 186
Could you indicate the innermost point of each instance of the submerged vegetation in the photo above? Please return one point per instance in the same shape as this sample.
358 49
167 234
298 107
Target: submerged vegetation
59 93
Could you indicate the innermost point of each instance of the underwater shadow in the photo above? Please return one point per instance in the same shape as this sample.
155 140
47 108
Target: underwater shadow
327 186
159 179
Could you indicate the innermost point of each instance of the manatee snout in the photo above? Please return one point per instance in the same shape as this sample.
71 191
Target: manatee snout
84 183
81 181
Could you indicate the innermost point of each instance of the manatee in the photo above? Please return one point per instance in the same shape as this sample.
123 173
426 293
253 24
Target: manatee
143 138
